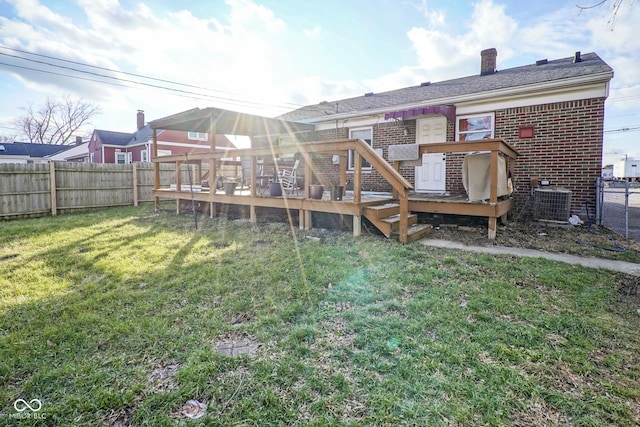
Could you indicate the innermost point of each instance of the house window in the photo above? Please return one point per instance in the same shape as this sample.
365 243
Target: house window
475 128
164 153
123 158
366 134
144 156
198 136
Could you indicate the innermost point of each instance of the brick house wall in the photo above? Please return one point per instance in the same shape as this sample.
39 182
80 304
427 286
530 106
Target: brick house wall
566 148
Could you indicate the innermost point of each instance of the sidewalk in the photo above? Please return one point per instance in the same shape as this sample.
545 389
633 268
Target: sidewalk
619 266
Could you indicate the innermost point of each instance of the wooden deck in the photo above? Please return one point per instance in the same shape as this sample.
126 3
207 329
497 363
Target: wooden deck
418 202
392 213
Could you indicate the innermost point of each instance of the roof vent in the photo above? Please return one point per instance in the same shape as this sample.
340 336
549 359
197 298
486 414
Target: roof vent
577 57
423 84
541 61
324 102
368 94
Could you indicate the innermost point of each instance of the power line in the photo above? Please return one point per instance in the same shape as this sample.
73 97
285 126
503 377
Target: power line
624 129
112 70
201 97
197 95
248 103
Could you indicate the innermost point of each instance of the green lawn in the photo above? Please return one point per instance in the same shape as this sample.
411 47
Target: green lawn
115 318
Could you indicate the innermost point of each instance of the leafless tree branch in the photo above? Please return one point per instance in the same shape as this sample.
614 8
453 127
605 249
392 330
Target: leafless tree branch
56 121
615 8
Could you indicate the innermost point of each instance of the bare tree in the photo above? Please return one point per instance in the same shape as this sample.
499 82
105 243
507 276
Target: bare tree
615 8
56 121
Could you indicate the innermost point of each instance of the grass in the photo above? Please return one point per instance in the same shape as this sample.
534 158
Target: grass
114 318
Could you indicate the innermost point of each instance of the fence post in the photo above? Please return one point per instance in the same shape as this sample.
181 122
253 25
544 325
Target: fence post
599 189
135 184
626 209
52 180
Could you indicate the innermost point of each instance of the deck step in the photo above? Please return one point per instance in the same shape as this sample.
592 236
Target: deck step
417 232
382 211
394 221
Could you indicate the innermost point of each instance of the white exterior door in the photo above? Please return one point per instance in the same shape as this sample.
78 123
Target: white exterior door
430 177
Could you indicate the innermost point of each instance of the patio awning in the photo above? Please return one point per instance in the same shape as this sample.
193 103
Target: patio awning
228 123
449 111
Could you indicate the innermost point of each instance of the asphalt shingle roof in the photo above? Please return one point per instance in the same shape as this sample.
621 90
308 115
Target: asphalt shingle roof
31 150
503 79
114 138
123 139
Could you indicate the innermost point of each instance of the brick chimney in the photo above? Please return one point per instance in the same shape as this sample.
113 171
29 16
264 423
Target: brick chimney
78 140
488 61
140 119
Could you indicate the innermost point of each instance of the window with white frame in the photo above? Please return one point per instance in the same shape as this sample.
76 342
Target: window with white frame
366 134
144 156
164 153
123 158
475 127
198 136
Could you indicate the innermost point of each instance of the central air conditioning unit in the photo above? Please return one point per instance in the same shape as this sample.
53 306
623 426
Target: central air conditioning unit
552 204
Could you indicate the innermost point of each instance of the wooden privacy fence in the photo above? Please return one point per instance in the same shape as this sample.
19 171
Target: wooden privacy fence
57 187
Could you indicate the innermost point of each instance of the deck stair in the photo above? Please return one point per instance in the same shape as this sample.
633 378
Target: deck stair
386 218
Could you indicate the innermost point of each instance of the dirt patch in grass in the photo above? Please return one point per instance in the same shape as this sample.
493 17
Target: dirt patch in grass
539 413
578 240
119 417
163 377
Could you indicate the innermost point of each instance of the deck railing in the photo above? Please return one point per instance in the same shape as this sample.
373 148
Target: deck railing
307 151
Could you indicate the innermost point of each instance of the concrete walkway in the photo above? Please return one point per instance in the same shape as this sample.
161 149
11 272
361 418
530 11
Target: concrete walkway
620 266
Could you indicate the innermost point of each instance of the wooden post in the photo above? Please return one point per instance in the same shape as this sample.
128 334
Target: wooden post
307 220
404 217
396 166
357 177
252 179
52 181
357 225
134 169
343 168
212 161
493 193
178 176
156 169
493 224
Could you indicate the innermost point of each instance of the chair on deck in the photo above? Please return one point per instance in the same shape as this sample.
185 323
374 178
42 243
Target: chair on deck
246 163
261 179
289 178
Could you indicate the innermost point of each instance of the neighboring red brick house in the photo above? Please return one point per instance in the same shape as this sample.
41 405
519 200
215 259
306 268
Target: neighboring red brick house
551 112
121 147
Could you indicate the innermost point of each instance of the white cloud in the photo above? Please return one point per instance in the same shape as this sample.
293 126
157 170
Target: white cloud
435 17
313 33
314 89
237 57
444 54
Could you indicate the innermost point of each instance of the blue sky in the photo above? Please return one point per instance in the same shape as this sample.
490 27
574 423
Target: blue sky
267 57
